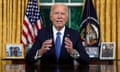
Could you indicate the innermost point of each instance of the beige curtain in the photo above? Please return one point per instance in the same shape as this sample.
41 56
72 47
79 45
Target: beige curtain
108 12
11 19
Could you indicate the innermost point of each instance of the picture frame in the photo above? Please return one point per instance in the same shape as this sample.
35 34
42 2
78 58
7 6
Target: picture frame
14 51
93 52
107 51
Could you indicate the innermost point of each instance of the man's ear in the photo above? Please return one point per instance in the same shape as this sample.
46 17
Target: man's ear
50 16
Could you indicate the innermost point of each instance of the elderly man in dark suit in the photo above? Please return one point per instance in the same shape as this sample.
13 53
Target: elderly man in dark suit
63 48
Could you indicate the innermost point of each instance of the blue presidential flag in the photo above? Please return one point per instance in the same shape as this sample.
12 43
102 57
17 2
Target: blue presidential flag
90 29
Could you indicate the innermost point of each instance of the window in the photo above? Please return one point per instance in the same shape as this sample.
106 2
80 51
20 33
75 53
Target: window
45 1
75 11
76 1
51 1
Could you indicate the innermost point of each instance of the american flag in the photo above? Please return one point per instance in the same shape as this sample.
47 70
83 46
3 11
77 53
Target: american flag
32 23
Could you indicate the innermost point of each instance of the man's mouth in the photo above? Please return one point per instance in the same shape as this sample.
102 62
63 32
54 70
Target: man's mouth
59 21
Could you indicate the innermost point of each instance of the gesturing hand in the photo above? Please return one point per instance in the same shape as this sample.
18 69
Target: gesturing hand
69 45
45 47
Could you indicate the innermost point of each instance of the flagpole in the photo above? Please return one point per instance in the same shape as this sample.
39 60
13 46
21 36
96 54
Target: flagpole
88 10
38 4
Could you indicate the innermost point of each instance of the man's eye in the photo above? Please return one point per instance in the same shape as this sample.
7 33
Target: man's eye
56 13
63 13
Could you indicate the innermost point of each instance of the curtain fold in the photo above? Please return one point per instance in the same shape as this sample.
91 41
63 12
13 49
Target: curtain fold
118 29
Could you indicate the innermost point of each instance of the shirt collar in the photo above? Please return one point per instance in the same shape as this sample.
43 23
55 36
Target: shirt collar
61 31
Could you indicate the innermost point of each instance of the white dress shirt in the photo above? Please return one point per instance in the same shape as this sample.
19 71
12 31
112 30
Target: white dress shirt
55 32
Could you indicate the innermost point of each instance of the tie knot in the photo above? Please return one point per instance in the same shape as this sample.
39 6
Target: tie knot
58 33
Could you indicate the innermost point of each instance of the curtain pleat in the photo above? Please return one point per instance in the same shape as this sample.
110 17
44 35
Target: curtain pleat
118 29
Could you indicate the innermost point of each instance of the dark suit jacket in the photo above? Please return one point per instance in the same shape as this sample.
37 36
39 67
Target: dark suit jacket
49 57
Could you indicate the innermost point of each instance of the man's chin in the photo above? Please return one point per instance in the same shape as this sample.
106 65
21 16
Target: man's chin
59 27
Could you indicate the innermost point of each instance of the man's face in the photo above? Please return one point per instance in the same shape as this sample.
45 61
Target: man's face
59 16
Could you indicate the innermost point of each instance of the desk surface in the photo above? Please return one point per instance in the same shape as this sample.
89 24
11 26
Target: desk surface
57 68
17 66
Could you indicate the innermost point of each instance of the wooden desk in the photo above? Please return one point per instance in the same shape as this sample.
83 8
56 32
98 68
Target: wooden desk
57 68
92 61
95 66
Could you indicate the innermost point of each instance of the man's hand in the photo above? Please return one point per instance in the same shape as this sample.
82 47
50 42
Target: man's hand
45 47
69 45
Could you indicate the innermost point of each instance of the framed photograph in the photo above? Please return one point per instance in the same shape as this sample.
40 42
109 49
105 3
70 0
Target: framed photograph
14 51
93 52
107 50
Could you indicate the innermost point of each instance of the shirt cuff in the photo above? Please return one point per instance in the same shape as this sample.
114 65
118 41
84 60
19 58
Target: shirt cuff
37 56
75 54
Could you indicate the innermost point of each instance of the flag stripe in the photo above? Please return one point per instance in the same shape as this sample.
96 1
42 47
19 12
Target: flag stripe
24 37
30 31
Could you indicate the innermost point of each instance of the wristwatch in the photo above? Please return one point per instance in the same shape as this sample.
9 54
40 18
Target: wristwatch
75 54
37 56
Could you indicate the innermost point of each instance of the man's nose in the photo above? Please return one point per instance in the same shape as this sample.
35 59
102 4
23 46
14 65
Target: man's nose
59 16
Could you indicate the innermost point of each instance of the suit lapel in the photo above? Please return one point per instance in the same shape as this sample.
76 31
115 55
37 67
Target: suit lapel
63 49
50 36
